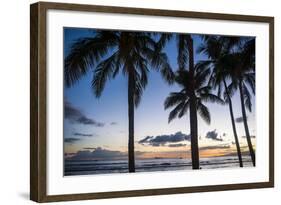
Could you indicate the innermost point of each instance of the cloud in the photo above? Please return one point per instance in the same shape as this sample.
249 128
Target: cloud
213 135
69 155
113 123
177 145
164 140
82 134
215 147
145 140
87 121
98 153
252 136
71 140
239 119
89 148
75 115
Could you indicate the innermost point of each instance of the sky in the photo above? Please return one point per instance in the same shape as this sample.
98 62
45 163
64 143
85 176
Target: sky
98 127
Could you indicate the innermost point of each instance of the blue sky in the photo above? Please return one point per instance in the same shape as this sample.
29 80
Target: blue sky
110 110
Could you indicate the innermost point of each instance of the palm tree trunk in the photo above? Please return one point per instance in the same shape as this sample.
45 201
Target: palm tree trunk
248 137
193 112
233 125
131 151
194 134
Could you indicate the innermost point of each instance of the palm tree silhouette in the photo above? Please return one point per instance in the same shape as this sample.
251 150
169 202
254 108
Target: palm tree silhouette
242 72
192 86
108 53
185 60
216 48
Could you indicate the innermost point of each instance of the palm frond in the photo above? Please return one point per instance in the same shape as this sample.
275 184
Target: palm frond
201 77
204 65
174 98
247 98
138 90
84 54
184 109
230 42
164 38
219 91
204 89
143 70
183 78
232 87
204 112
174 113
140 82
103 72
249 79
208 97
211 47
249 49
160 62
183 51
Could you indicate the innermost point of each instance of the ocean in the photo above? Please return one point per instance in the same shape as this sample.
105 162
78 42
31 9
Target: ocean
90 167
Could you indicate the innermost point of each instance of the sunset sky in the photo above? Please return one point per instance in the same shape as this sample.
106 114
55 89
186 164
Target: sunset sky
98 128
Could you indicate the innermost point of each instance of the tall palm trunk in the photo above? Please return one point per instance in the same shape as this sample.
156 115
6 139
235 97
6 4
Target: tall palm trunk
233 125
248 137
131 151
193 111
194 134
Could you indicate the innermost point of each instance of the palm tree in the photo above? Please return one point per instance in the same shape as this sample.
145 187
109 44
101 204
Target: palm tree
243 79
185 60
192 87
216 48
108 53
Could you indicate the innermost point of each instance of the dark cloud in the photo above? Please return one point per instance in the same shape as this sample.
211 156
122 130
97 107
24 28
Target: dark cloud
71 140
113 123
164 140
215 147
252 136
87 121
82 134
177 145
239 119
213 135
89 148
99 153
70 111
75 115
145 140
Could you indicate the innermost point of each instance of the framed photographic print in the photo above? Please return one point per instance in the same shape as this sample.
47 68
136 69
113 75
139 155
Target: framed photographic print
135 102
